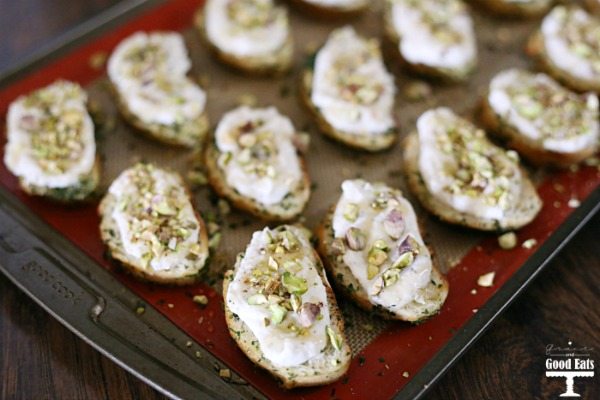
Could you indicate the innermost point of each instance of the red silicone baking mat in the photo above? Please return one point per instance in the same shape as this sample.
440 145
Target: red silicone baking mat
387 355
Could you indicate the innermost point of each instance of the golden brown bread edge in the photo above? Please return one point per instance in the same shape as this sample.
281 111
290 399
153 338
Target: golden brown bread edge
327 13
503 8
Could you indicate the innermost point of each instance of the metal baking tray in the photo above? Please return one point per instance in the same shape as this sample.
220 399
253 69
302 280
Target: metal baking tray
54 254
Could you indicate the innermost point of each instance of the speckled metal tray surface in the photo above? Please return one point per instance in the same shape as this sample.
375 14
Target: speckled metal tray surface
54 252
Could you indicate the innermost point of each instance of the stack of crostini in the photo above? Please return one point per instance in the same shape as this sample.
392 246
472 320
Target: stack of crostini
371 245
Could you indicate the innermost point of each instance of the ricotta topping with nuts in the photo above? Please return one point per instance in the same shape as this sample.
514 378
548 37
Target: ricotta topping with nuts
279 294
377 235
344 4
157 223
351 87
50 136
571 39
463 169
149 72
258 156
541 109
435 33
246 28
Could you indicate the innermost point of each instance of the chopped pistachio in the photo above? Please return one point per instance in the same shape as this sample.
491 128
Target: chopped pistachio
295 302
257 299
200 299
351 212
273 264
335 339
277 313
404 260
294 284
377 256
507 241
372 271
486 280
292 266
529 243
391 276
356 239
377 286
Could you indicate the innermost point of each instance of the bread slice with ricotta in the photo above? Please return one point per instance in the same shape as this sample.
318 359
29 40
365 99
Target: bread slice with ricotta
542 120
433 38
252 36
281 311
371 244
461 177
593 6
148 74
566 46
350 93
331 9
254 161
149 225
51 144
520 8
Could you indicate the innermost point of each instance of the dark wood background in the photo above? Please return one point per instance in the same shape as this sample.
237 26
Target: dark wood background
40 359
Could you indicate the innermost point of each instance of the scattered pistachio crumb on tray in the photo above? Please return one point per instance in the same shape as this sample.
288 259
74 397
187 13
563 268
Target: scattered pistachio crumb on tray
508 240
200 299
486 280
529 243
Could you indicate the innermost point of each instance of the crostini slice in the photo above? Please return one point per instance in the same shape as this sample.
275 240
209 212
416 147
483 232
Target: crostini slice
350 92
516 8
255 163
433 37
50 143
460 176
567 47
372 245
331 9
281 311
544 121
148 72
251 35
148 223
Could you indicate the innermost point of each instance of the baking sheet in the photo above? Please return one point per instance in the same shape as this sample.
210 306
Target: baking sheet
500 44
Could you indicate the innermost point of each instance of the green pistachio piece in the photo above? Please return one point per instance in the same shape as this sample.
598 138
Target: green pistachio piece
294 284
356 239
335 339
381 245
372 271
164 208
391 276
404 260
295 302
257 299
277 313
376 256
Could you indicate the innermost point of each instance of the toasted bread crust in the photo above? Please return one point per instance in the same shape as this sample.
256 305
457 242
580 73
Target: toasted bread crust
593 6
275 64
529 204
328 13
532 150
163 133
350 286
84 192
112 240
288 209
505 9
288 377
371 143
391 46
536 50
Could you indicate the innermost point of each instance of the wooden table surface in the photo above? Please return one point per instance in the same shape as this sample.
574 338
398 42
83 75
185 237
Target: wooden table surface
40 359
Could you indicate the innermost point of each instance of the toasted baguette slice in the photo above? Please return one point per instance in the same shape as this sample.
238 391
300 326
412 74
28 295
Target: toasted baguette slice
51 145
181 264
270 64
148 75
451 74
360 133
551 102
254 191
536 48
427 300
328 364
521 213
332 11
504 8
